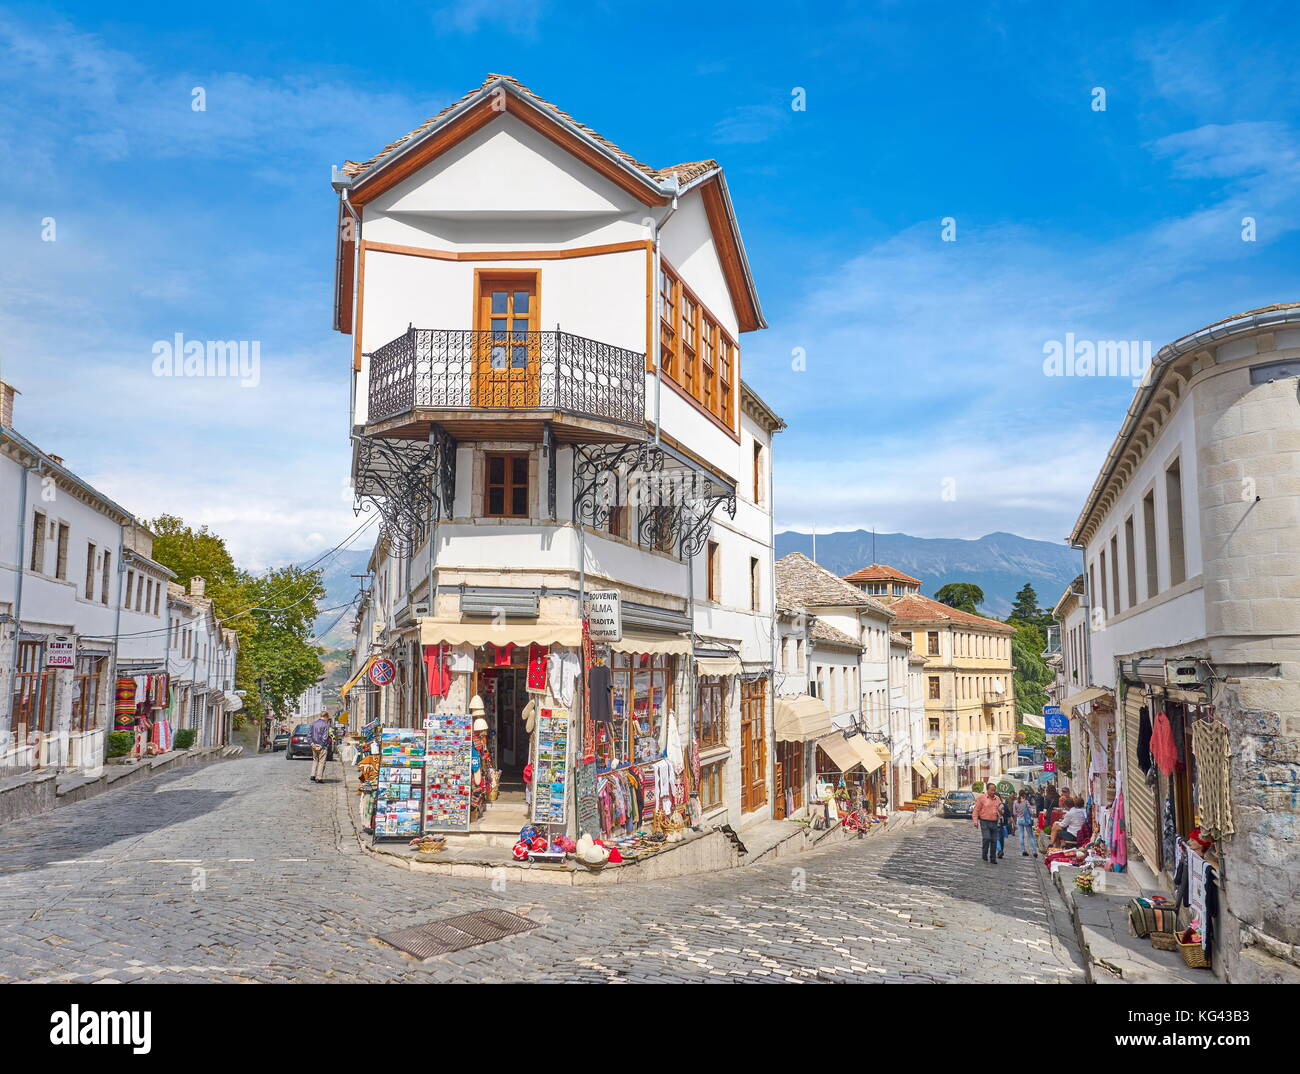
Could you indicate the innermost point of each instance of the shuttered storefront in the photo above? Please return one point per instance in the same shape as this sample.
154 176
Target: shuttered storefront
1139 796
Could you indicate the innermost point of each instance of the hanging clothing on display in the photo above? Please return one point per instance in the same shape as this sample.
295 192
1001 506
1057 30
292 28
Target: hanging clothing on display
1118 839
462 660
436 673
598 684
1163 748
501 653
1168 830
1144 740
563 671
1213 759
124 703
537 660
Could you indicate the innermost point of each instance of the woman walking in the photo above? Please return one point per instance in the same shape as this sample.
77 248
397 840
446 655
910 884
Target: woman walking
1026 814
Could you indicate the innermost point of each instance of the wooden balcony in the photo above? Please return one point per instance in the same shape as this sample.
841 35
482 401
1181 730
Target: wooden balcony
482 385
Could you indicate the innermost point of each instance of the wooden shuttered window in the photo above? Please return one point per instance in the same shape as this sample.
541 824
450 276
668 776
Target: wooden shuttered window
697 353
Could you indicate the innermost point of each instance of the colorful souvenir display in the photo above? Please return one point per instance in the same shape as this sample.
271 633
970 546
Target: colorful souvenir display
449 758
399 796
551 767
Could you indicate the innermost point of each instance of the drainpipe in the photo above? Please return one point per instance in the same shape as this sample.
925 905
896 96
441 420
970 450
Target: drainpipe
18 592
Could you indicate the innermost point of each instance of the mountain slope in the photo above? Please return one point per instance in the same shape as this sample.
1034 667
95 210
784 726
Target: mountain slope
999 563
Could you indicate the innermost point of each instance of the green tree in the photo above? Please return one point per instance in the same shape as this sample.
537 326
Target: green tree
1026 609
964 596
1031 675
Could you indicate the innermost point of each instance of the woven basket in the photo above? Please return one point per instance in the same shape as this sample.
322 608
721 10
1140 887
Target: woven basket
1193 955
1164 941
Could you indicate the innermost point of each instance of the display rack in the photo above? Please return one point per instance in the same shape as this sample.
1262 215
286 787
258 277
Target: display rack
399 790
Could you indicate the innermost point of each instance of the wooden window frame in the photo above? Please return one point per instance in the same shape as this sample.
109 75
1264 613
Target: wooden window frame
688 332
90 570
713 572
931 643
713 785
106 577
509 486
755 584
759 498
934 688
63 539
711 732
623 671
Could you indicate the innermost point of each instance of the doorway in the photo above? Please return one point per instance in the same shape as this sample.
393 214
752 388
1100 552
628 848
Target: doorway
507 351
504 699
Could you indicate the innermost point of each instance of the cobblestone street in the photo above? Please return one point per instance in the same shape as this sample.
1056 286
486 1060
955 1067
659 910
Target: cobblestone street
246 871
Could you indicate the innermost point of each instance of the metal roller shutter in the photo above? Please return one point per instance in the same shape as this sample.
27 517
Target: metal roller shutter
1140 797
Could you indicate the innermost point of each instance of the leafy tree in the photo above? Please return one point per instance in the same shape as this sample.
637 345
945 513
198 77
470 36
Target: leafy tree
964 596
1031 674
272 614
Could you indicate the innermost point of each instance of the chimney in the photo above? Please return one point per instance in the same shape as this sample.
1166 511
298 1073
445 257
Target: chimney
7 393
196 586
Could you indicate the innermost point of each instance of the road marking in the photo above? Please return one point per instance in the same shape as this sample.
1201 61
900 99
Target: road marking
78 861
293 859
175 861
241 859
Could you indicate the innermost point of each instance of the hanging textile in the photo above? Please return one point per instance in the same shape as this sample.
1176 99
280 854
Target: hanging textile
1118 841
1144 741
563 672
1163 748
537 660
1168 829
598 685
124 703
501 653
436 673
462 660
1213 768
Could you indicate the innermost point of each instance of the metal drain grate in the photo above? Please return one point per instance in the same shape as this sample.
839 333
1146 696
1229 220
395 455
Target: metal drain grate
457 933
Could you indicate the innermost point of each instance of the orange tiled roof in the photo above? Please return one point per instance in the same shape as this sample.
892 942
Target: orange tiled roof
685 172
915 608
877 572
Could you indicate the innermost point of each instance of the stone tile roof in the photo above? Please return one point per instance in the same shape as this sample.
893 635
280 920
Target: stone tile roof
801 583
914 608
824 632
684 172
878 572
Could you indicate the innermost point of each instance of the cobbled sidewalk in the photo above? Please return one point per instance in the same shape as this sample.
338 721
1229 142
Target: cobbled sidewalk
245 871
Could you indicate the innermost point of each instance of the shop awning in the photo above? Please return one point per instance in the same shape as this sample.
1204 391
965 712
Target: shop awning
848 753
454 632
343 690
1030 720
801 718
925 766
636 641
1084 696
882 751
718 665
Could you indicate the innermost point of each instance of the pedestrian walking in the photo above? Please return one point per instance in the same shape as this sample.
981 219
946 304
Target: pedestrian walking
319 734
1026 814
987 816
1050 800
1006 825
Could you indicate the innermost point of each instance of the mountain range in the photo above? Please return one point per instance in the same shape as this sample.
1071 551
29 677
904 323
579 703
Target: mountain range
999 563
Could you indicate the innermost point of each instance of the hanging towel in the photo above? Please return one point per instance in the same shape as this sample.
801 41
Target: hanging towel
435 665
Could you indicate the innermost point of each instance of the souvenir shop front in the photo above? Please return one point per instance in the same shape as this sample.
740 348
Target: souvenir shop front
142 704
584 736
800 721
851 773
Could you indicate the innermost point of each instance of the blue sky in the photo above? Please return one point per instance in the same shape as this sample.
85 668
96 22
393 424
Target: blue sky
924 357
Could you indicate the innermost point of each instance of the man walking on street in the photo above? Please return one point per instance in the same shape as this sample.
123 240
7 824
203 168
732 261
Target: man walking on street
319 733
987 816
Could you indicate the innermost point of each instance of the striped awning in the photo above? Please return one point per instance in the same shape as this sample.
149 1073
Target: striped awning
343 690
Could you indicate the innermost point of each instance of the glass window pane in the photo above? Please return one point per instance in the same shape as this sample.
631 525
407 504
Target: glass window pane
520 325
519 502
499 326
521 302
500 301
519 468
496 469
496 501
518 357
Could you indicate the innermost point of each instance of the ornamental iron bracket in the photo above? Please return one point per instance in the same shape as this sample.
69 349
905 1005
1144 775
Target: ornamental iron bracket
410 482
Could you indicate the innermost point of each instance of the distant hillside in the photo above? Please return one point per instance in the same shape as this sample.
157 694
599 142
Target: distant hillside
999 563
340 588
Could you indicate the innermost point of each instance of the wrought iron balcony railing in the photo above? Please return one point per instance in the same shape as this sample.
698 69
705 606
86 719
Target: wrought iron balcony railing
459 369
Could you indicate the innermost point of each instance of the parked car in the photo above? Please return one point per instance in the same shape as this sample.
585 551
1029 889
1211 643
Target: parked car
958 803
299 743
280 742
1029 775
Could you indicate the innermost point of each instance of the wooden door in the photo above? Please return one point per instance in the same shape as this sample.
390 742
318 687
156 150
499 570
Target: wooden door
753 745
507 354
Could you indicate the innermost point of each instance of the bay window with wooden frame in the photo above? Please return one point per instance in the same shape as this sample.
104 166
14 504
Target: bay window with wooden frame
711 730
696 352
505 485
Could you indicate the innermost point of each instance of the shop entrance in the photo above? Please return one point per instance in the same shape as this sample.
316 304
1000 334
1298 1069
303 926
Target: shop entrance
504 699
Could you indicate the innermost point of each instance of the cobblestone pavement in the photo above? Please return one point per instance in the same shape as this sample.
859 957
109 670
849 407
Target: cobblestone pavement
246 871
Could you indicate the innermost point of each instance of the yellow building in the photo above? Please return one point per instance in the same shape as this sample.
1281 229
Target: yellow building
969 696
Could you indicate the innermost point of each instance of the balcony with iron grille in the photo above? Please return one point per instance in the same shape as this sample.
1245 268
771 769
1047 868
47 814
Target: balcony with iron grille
484 385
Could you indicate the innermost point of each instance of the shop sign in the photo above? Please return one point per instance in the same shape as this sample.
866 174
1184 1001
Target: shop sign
1054 721
61 651
605 616
1049 766
382 672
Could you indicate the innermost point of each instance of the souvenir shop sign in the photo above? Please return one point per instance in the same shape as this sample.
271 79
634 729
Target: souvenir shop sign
1054 721
605 616
399 792
448 769
61 651
551 767
382 672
